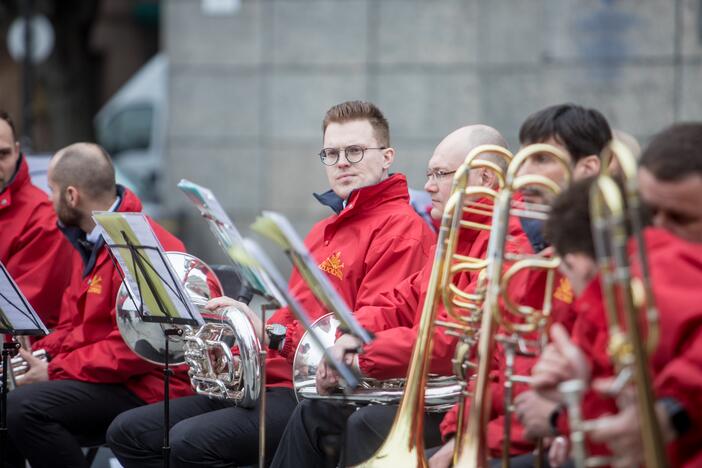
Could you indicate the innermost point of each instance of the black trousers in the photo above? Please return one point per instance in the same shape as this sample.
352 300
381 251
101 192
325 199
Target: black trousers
204 431
49 422
320 434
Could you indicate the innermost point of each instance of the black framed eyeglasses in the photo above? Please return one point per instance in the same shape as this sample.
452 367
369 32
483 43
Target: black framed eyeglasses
438 175
353 154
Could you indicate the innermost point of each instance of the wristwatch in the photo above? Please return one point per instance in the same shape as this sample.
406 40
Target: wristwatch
276 335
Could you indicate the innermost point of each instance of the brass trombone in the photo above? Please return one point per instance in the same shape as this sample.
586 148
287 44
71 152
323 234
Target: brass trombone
626 348
471 445
404 445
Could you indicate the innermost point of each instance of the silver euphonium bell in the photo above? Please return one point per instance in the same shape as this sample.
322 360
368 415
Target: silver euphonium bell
441 392
214 370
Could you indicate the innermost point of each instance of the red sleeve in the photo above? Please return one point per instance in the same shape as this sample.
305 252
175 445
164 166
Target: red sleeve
388 262
52 342
396 308
41 265
681 379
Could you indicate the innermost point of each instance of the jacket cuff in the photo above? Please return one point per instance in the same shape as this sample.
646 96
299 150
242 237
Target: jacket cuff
289 346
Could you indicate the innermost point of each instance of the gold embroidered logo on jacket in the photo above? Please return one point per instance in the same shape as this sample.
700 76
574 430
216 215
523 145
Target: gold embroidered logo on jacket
333 265
564 293
95 285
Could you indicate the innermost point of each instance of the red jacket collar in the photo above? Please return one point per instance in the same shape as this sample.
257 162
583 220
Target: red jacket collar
394 188
19 180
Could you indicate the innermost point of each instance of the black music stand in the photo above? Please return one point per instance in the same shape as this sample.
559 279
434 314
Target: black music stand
17 317
152 286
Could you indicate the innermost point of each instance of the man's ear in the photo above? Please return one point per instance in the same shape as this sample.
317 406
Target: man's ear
488 178
388 157
587 166
72 196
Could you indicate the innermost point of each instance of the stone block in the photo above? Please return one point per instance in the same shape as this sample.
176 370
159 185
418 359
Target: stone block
233 173
511 32
196 39
691 28
637 98
593 30
428 103
212 105
691 93
425 31
298 101
293 172
318 32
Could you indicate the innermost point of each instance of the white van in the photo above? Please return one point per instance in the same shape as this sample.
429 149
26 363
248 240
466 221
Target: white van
132 126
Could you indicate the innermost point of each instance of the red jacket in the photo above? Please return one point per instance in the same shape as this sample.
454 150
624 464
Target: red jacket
526 288
375 242
676 365
395 318
31 246
87 345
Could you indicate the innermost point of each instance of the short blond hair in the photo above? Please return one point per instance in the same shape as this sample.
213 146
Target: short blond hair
359 110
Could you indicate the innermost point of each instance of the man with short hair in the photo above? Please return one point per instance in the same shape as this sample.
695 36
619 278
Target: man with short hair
670 177
31 246
372 242
92 374
582 134
393 318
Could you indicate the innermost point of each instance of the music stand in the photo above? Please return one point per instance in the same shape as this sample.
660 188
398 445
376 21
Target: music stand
17 317
152 284
256 279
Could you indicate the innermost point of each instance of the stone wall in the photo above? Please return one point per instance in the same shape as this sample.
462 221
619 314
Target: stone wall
248 91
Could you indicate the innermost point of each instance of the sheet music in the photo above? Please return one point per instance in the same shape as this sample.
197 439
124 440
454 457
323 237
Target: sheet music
16 313
158 276
277 228
229 238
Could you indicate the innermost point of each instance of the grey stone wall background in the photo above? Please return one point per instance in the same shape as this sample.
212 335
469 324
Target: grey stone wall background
248 91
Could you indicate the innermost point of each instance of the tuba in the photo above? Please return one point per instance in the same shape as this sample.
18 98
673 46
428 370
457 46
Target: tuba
213 369
623 297
471 443
404 446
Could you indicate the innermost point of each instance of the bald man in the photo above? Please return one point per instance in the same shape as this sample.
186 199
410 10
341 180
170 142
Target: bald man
92 375
313 437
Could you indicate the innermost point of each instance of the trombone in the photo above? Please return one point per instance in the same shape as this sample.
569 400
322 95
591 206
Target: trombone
471 444
404 446
622 298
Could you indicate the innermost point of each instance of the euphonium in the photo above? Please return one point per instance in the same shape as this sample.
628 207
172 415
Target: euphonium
622 301
214 370
404 446
471 444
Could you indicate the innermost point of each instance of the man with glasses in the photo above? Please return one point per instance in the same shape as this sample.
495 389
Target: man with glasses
318 429
373 241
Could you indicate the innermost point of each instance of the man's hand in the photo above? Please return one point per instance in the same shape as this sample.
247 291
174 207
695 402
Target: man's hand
558 452
444 457
561 360
622 432
224 301
326 379
345 348
534 412
38 369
